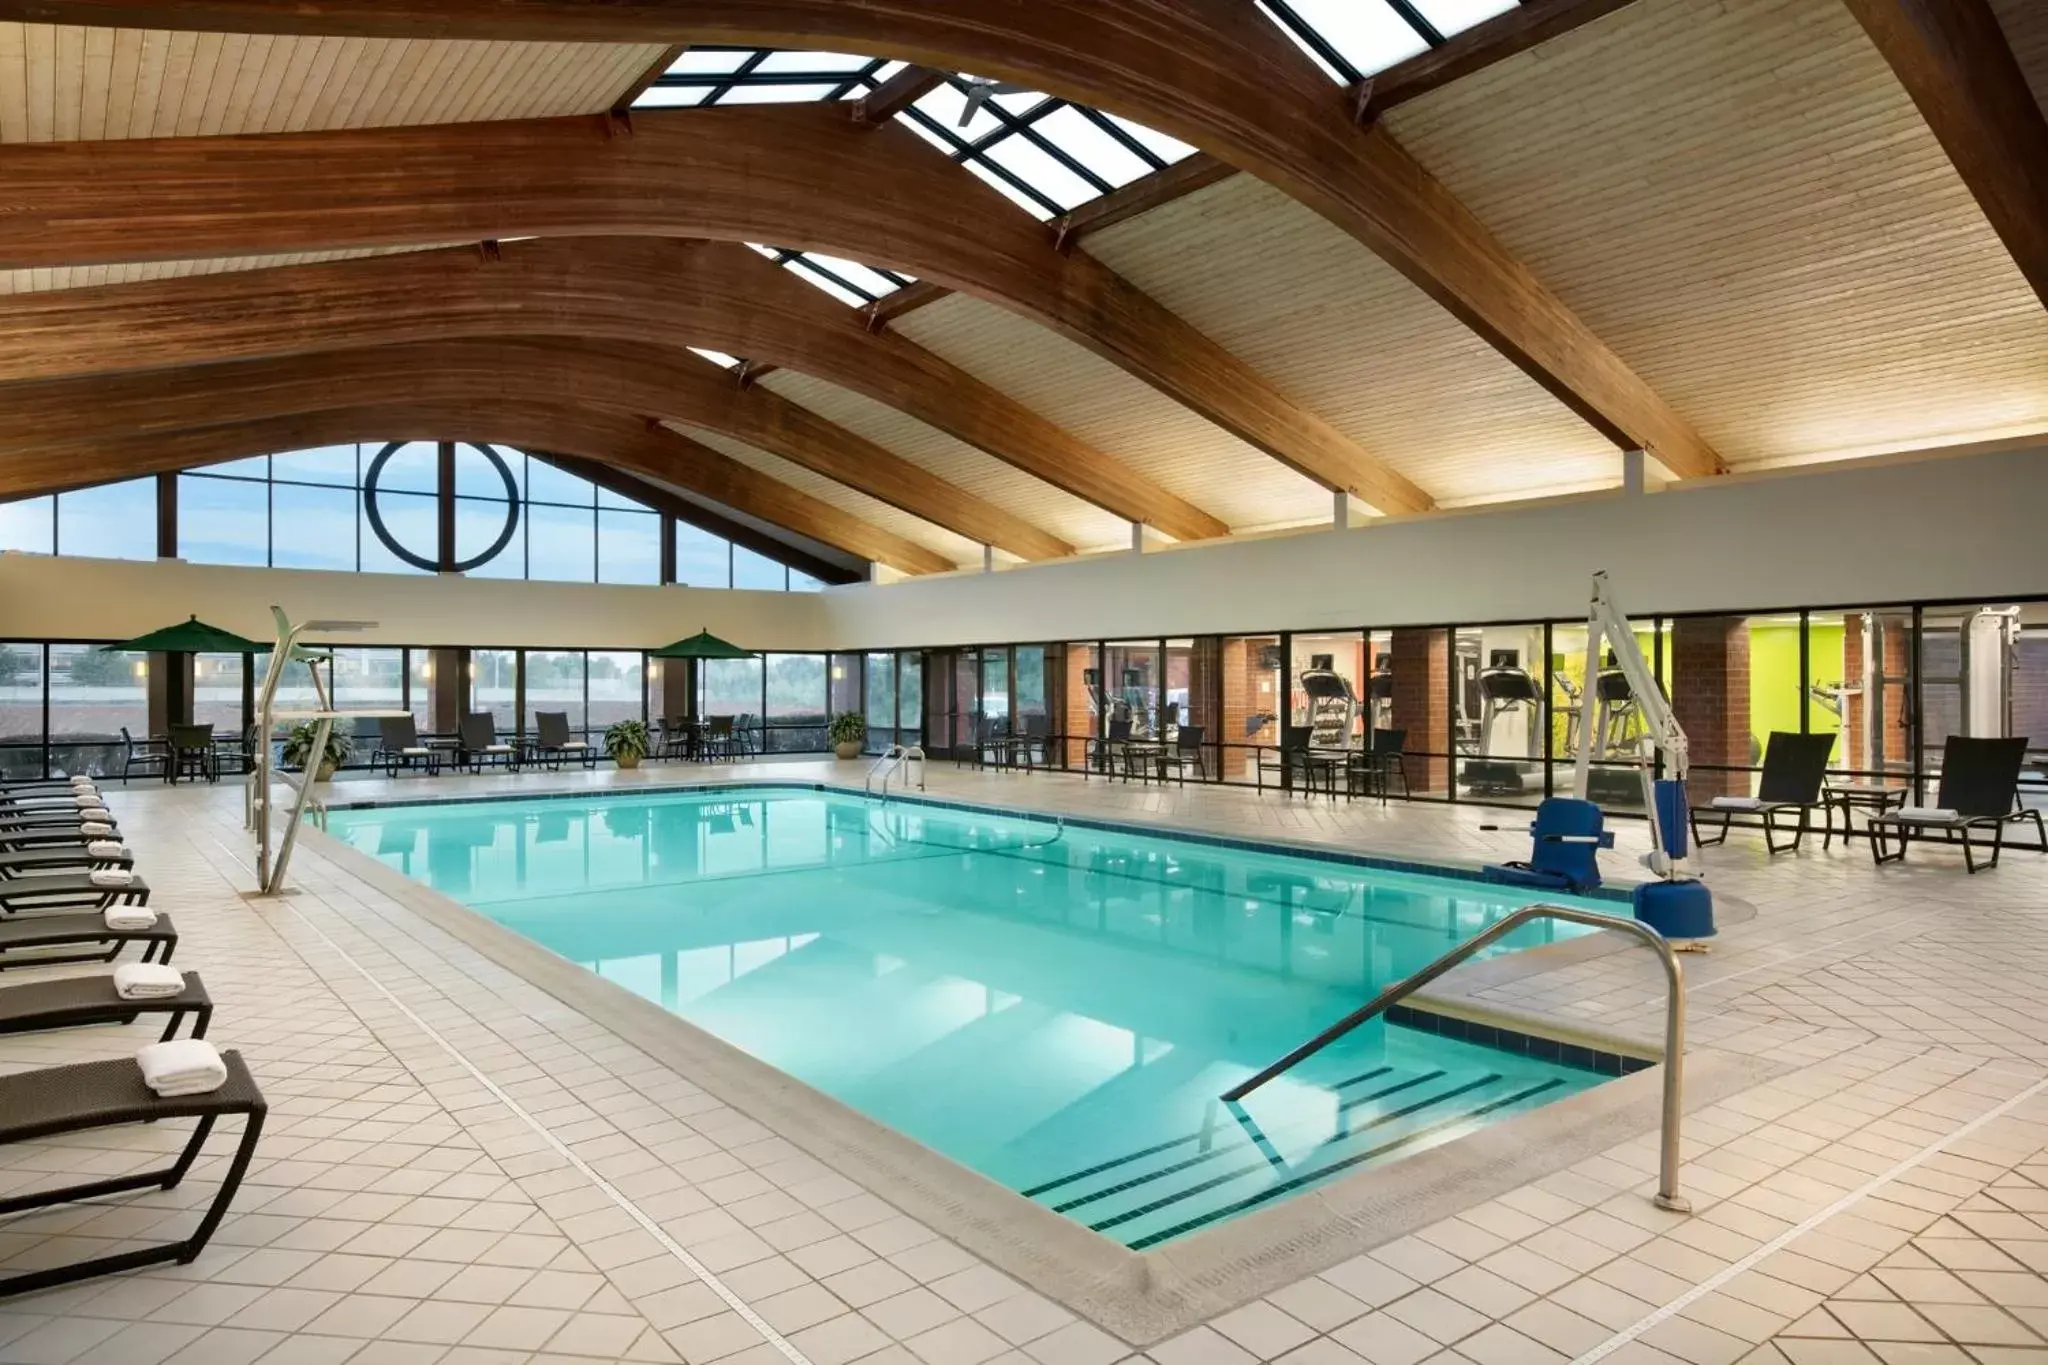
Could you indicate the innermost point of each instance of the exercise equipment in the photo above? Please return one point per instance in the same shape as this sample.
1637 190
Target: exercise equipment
1332 710
1505 689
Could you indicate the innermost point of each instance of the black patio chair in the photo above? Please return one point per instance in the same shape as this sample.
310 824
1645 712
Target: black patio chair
399 746
1795 769
1979 790
555 744
147 757
1372 772
719 740
1184 753
480 743
191 753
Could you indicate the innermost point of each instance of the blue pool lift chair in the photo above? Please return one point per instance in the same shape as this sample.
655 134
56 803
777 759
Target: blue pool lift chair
1569 835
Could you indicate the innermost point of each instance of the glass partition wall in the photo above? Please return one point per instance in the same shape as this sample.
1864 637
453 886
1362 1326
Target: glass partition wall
1495 713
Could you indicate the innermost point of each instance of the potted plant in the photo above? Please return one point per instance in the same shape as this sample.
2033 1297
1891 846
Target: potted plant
625 742
298 747
849 733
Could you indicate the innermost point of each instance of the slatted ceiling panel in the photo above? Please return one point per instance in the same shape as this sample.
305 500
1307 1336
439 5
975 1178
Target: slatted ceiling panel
963 552
88 276
1066 516
1117 414
60 83
1352 341
1743 202
2026 28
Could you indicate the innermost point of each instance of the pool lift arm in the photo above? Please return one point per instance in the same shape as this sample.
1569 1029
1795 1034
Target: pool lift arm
1607 625
1677 904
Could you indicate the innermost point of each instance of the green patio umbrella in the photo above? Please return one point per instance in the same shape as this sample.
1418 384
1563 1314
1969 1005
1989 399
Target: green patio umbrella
702 645
191 636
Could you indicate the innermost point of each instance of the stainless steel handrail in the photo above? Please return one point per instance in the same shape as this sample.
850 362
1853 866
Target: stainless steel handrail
1668 1196
897 758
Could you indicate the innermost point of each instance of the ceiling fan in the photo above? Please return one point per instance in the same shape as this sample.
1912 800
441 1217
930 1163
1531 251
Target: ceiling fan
980 91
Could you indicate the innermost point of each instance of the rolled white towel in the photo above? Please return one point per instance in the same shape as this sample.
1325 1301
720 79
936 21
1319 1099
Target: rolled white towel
106 848
111 876
187 1066
93 829
1925 815
1737 803
128 918
79 780
147 981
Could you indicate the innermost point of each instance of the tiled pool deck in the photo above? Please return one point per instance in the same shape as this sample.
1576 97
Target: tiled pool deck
462 1170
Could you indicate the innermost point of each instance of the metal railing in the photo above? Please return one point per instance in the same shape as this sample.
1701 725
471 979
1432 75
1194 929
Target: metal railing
1668 1196
896 758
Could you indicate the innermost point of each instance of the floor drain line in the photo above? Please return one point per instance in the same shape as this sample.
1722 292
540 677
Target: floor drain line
1793 1234
611 1191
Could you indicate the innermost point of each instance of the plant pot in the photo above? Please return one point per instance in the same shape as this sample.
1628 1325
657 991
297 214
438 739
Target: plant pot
325 772
627 760
850 749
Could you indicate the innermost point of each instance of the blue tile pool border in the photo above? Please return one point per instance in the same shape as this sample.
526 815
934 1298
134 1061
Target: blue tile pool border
1504 1039
1342 857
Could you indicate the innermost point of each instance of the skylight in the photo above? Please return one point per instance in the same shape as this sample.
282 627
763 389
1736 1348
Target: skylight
1046 154
1352 39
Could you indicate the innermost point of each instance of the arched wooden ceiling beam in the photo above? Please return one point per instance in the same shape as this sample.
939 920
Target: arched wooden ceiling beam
795 176
633 289
1953 58
626 443
1214 73
644 381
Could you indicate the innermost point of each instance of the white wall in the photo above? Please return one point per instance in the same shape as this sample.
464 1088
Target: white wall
1965 526
41 597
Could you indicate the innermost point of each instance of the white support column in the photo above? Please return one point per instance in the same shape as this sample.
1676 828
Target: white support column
1633 465
1340 509
988 559
1137 537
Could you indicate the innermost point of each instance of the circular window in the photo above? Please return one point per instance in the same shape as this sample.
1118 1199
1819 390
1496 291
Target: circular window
431 563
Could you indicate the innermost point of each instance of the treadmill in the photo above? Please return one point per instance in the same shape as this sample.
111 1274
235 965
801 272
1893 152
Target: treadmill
1505 687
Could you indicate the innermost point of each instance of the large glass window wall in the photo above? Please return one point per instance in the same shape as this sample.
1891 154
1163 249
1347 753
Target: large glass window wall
1493 713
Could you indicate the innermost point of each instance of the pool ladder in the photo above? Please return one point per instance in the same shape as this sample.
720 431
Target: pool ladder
1668 1196
896 758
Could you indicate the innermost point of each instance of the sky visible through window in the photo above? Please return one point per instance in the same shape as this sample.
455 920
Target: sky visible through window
1048 155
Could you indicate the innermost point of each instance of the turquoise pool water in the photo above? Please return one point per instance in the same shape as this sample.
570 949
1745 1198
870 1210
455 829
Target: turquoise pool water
1056 1009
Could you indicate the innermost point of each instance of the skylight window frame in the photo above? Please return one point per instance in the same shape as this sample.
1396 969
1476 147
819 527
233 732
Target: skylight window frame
1310 37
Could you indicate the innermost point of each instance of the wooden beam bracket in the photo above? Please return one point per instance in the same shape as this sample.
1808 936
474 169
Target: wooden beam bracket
1362 112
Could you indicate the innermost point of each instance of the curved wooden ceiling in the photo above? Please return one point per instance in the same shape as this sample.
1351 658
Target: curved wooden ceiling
1640 232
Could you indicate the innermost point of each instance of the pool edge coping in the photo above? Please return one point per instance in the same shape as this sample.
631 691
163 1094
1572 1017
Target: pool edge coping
1143 1297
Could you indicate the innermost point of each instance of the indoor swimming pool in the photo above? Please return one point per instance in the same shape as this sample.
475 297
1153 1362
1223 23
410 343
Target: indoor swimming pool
1057 1008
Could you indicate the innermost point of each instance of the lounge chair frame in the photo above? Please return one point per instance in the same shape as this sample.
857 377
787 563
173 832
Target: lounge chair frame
73 1099
39 931
1965 776
1793 782
78 1001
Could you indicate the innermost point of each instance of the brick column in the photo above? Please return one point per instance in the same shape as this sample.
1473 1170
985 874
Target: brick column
1422 704
449 695
1077 722
675 687
1710 697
